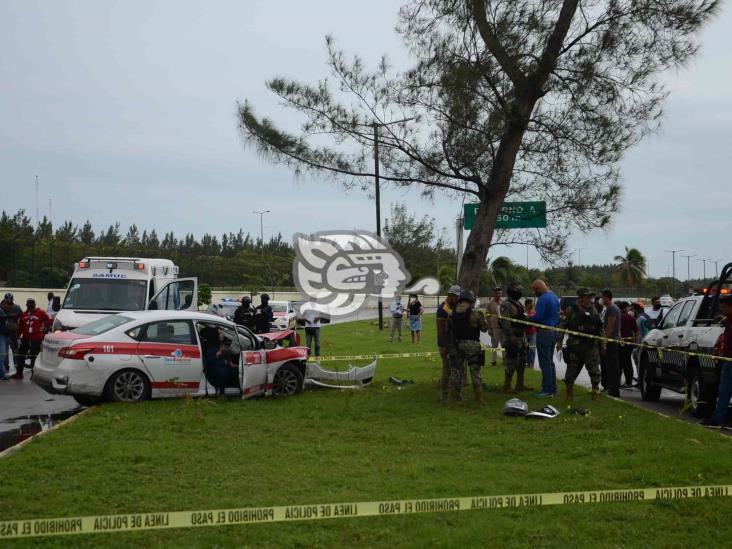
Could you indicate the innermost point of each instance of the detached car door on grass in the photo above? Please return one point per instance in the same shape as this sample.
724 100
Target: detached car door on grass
171 355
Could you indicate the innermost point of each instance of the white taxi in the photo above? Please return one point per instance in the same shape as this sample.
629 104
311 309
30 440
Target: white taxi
135 356
140 355
284 315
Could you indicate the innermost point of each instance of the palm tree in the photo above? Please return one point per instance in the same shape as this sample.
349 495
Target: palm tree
502 270
631 268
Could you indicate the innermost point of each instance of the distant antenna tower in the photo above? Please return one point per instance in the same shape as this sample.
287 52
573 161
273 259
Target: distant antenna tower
38 219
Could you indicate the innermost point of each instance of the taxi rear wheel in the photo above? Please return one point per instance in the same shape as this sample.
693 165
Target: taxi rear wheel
288 381
128 386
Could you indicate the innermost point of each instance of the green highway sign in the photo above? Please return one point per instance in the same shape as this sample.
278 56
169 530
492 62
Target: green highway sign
514 215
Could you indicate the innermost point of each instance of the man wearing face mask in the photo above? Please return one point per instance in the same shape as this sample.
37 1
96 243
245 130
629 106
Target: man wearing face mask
513 339
655 313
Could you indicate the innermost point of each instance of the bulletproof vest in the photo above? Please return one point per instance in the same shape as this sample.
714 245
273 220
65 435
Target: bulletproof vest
461 326
587 322
244 316
516 328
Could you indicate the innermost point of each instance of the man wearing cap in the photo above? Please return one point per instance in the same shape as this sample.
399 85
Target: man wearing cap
12 315
493 309
581 351
463 328
443 314
513 339
32 327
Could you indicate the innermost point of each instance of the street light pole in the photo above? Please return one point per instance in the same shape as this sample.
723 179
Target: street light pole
579 257
261 226
688 266
716 267
673 262
377 194
704 263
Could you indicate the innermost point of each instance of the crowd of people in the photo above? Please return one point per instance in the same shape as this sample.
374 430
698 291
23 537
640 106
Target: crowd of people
595 330
22 332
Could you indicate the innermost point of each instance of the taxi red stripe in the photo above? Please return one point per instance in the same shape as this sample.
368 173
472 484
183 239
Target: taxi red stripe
175 384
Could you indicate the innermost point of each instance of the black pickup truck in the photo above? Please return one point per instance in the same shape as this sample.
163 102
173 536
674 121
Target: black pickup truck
693 325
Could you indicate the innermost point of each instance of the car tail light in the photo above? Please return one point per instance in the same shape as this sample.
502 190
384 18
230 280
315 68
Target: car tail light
83 264
139 266
77 352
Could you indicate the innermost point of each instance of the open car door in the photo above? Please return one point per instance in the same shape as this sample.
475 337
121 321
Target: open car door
180 294
253 364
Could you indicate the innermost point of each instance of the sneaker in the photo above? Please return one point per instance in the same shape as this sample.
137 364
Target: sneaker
710 423
544 395
17 376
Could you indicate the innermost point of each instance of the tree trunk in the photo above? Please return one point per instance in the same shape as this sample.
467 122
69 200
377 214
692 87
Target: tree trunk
481 235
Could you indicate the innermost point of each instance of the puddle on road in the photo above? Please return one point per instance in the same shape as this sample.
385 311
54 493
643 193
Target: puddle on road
24 427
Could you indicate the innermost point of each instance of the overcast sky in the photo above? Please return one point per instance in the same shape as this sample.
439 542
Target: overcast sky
126 111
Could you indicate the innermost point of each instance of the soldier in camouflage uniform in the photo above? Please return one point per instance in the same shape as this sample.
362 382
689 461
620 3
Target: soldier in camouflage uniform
464 327
513 339
581 351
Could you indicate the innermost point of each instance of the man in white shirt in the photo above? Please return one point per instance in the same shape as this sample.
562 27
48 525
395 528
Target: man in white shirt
397 314
312 330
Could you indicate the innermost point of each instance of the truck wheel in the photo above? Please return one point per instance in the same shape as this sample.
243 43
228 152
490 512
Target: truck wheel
649 390
288 381
128 386
86 400
700 397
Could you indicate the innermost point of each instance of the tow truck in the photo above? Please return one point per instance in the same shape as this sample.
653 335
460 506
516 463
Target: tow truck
692 325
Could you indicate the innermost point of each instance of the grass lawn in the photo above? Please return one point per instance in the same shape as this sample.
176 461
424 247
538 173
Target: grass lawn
380 443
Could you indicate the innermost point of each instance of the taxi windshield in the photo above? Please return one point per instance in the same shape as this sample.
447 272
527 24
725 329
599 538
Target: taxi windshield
101 294
278 307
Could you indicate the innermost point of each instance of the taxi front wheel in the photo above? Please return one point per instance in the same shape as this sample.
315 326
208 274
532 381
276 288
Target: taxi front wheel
128 386
288 381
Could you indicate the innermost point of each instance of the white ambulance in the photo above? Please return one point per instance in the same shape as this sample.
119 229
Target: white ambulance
104 286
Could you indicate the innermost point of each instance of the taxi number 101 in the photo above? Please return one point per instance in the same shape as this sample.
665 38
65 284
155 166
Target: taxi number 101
108 348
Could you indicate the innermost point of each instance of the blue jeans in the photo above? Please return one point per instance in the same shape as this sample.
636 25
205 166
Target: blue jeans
545 341
725 393
3 354
531 353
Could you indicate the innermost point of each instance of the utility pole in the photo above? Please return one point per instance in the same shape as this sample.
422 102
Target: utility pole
579 256
527 257
377 193
704 263
261 226
688 266
38 216
716 267
673 269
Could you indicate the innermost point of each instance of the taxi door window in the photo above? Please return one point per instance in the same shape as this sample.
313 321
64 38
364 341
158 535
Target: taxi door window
177 332
246 339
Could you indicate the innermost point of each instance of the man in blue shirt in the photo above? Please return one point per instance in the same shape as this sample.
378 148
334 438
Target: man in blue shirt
547 314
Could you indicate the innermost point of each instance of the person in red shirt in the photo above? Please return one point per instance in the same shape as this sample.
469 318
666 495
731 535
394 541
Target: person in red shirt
628 332
725 378
32 327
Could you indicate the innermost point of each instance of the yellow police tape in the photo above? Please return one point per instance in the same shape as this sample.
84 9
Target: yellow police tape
288 513
658 348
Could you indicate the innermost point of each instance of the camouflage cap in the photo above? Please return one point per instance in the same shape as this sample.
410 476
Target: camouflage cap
582 292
